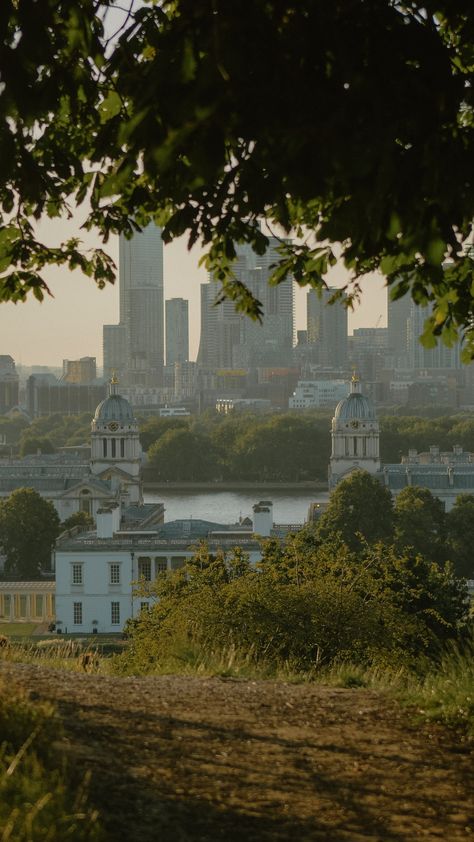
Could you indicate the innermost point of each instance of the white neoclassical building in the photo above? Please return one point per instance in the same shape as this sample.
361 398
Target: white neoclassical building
355 436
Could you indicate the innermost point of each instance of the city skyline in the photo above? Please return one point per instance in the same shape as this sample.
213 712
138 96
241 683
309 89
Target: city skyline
69 326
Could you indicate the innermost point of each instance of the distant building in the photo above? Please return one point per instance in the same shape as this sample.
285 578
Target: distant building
45 395
138 344
9 384
112 475
207 354
115 358
184 380
315 394
231 340
177 331
398 313
80 371
355 445
327 328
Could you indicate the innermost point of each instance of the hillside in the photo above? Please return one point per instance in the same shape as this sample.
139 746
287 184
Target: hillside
181 758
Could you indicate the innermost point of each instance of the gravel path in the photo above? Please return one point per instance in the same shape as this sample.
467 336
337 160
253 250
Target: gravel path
176 758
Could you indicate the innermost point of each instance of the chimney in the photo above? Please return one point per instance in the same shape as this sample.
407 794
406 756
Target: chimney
108 521
263 518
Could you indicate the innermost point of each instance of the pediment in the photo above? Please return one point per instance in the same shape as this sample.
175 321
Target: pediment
96 490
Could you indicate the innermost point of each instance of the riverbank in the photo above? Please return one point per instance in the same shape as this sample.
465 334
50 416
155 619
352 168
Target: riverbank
156 485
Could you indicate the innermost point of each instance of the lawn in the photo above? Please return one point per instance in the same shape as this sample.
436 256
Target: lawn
17 629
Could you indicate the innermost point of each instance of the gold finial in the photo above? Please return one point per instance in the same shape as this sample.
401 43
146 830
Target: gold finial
355 378
114 378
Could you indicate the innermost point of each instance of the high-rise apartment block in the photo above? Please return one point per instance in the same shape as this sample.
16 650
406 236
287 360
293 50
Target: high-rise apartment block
177 331
327 328
136 351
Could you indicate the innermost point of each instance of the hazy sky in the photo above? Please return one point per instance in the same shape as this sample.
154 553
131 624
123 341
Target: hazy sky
69 325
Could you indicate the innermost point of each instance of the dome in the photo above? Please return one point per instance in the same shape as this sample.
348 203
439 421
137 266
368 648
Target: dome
114 408
356 407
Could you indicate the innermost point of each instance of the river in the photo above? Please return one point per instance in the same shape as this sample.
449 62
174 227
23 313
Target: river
228 506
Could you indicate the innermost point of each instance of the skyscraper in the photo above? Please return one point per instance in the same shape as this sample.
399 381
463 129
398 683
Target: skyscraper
398 313
327 328
177 331
141 343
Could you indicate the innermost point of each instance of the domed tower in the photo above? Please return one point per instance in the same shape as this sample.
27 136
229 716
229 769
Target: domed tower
355 436
115 445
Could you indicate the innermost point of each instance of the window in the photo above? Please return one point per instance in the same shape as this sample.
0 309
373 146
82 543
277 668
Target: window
104 448
177 561
23 605
113 448
77 613
122 448
161 565
144 569
115 574
77 574
38 605
115 613
144 606
355 445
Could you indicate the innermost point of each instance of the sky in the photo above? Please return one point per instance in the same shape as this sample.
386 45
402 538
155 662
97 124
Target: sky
69 324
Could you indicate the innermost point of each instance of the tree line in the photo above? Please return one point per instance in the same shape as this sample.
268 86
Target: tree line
287 446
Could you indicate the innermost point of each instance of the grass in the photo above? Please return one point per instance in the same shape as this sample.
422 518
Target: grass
18 629
39 798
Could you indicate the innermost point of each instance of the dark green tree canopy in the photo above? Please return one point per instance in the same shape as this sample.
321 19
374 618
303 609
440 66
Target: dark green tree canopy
350 124
360 511
29 526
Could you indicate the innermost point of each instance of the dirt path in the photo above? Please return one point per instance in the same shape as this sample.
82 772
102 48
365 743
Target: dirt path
179 759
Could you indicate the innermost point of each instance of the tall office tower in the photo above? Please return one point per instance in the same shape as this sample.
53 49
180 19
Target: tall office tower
327 328
398 313
9 384
207 354
141 305
114 351
271 342
80 371
420 357
177 331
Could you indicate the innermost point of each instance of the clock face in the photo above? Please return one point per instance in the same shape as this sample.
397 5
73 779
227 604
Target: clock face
354 424
113 426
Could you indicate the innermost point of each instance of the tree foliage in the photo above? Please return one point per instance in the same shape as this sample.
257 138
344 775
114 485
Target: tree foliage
360 510
29 526
420 523
308 604
350 124
460 535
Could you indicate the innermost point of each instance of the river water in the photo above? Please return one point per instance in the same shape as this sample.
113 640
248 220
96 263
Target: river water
228 506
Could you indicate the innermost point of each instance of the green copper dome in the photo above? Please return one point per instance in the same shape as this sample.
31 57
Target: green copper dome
114 407
356 407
